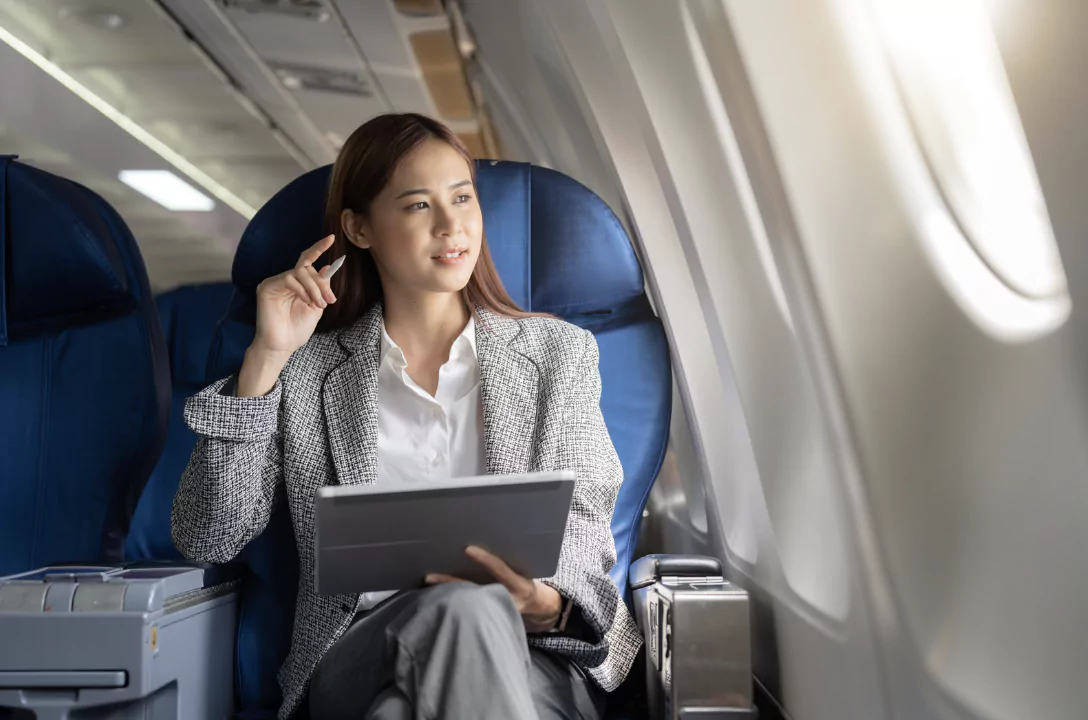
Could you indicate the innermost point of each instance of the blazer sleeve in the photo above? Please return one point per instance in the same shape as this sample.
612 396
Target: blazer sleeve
589 550
226 494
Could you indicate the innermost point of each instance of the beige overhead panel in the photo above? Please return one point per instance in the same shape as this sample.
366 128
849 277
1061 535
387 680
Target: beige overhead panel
475 144
440 63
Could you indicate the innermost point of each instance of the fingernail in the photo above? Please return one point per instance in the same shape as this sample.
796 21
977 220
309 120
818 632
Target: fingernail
430 579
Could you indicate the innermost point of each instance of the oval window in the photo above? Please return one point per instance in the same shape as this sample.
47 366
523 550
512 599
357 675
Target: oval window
950 75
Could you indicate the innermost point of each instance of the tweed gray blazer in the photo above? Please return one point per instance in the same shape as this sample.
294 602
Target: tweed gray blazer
540 389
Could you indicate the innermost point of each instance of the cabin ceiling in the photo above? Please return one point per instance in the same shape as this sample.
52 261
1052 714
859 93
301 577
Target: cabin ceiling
250 92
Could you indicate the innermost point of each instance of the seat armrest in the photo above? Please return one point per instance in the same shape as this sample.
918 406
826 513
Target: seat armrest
651 568
698 641
214 574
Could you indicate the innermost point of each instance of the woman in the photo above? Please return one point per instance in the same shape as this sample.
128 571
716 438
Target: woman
423 367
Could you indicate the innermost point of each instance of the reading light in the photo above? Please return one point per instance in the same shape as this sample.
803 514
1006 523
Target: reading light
167 189
130 126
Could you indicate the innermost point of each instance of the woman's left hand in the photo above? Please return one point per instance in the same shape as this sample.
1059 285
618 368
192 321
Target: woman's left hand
539 604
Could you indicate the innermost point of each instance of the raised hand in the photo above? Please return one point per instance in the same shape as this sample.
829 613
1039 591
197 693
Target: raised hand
289 306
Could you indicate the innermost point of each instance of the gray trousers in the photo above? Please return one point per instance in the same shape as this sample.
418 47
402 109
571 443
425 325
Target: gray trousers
451 651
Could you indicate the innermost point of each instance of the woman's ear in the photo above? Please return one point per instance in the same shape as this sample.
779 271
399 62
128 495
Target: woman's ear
356 228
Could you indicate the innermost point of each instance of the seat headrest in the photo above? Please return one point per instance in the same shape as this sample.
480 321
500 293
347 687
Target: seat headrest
578 259
60 243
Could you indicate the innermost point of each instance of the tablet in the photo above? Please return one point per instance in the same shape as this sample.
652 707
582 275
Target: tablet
370 538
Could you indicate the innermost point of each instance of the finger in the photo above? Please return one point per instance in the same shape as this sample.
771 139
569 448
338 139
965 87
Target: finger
304 276
310 255
292 284
322 283
440 578
499 569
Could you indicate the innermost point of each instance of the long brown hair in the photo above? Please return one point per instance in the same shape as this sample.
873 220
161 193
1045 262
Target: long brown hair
365 165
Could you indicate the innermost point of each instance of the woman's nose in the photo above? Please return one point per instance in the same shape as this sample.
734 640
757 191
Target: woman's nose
445 223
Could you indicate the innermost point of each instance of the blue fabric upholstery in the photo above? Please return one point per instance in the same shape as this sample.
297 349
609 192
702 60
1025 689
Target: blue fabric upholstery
83 373
559 249
189 317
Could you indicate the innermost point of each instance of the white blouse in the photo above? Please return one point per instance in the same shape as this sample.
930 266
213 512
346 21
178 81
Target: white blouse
423 438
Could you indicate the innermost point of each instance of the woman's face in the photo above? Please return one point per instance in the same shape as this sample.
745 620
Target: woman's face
425 228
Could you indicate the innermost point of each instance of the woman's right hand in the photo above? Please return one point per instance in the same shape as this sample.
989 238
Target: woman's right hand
289 306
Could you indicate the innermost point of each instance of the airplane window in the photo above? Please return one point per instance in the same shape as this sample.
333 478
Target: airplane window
952 81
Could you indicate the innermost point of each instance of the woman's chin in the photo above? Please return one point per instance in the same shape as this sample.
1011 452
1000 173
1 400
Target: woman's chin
452 280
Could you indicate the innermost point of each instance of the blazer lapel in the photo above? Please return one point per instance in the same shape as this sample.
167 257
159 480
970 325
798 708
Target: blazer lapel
509 385
350 397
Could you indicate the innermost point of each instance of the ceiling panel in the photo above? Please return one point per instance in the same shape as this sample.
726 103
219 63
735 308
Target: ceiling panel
339 114
75 32
219 138
375 27
212 29
406 91
297 40
177 91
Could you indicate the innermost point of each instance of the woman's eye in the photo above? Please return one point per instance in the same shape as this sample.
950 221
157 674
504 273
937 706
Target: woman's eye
421 205
463 198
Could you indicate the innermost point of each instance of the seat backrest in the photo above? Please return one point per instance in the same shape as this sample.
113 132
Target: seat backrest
189 316
558 249
84 386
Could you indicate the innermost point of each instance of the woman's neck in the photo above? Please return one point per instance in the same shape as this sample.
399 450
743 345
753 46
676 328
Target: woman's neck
424 327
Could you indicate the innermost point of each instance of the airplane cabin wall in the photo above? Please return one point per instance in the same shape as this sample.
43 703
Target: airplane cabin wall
971 447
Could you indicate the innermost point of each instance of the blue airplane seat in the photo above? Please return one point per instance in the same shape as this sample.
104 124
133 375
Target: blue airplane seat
189 316
84 384
559 249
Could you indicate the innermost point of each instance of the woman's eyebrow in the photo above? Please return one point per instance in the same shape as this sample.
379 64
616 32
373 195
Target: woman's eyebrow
425 191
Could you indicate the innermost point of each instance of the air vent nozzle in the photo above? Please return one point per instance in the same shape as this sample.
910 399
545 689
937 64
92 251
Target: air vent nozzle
303 77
